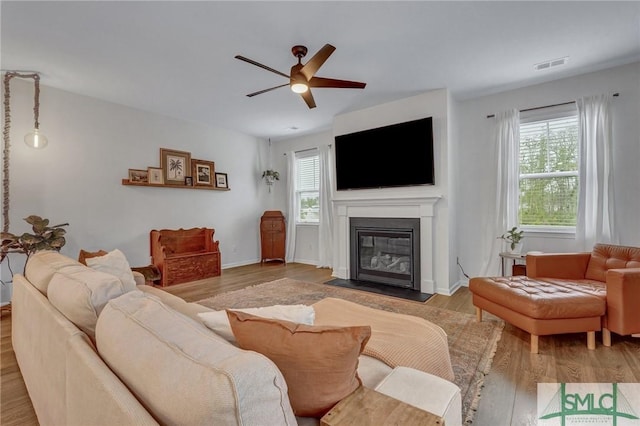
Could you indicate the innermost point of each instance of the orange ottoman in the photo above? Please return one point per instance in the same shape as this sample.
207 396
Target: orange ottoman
542 307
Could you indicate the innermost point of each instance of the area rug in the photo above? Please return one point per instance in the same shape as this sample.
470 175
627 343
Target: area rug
471 344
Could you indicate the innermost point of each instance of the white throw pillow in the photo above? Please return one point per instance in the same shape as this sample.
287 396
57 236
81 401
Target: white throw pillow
218 321
114 263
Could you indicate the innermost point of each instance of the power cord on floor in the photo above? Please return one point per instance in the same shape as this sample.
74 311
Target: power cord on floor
463 273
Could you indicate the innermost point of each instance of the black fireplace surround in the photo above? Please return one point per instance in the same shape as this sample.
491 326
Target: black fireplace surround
385 251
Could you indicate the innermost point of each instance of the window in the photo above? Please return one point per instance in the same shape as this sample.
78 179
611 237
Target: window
549 170
307 187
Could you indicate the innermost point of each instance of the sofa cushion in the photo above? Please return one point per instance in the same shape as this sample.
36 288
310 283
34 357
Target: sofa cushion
319 363
114 263
204 379
218 321
43 264
607 256
81 294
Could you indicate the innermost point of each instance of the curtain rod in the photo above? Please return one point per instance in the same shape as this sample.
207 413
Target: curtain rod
548 106
305 150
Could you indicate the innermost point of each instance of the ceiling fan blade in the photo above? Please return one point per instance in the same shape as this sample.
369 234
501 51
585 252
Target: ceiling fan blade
258 64
313 65
308 98
266 90
332 82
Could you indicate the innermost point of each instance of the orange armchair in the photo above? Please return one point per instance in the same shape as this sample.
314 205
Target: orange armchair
616 268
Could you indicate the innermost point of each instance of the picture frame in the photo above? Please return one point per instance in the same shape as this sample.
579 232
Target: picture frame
138 176
155 176
203 172
221 180
188 181
175 165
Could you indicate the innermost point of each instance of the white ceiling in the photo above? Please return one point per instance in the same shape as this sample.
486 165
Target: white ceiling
177 58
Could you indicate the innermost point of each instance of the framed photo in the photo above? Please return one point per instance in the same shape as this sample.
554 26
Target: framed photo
203 172
175 165
155 176
188 180
138 176
221 180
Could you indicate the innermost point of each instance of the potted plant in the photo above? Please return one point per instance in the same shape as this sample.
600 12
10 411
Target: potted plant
44 237
270 176
513 237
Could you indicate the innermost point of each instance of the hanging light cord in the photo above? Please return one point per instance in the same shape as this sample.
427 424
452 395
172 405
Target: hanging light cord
7 140
36 100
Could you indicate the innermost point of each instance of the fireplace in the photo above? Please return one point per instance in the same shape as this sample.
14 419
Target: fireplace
385 251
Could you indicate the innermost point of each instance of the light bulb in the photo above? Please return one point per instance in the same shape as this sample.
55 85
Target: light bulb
36 140
299 87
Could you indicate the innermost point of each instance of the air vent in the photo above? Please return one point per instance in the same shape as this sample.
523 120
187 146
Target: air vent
551 63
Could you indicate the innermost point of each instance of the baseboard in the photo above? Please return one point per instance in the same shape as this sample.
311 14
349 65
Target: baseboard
243 263
449 291
306 262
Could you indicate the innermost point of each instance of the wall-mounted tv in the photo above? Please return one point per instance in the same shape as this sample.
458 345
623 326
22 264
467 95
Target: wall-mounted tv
396 155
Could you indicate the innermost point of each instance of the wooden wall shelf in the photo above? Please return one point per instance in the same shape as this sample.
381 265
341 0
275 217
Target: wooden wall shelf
208 188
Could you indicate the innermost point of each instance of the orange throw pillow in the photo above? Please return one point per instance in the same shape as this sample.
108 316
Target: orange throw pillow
319 363
84 255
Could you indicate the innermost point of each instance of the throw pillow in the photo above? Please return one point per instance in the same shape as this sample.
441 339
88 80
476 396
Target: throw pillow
319 363
114 263
219 322
84 255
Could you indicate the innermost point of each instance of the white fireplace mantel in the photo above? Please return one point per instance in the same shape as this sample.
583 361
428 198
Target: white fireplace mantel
401 207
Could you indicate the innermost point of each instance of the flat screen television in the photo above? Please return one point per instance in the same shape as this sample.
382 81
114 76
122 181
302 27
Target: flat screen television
390 156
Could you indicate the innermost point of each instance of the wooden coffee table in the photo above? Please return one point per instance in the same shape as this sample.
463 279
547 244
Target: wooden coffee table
366 407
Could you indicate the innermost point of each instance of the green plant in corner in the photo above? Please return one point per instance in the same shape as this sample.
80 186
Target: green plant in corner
44 237
513 237
270 175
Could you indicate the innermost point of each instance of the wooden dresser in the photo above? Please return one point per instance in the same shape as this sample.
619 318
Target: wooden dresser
185 255
273 236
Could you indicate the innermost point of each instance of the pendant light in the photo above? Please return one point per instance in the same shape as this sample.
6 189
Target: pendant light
35 139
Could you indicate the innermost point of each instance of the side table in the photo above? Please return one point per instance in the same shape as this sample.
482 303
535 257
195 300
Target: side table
366 407
508 255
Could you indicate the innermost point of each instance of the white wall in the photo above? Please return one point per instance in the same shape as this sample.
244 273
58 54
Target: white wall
477 171
92 144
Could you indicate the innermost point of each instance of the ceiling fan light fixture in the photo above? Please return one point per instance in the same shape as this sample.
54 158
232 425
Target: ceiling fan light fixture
298 87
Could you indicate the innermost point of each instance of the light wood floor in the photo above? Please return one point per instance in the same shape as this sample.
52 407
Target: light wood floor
509 394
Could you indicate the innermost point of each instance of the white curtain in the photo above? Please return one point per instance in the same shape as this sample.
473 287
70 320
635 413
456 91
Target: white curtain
507 137
596 219
325 229
291 206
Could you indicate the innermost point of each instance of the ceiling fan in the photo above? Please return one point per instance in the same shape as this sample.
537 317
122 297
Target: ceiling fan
302 77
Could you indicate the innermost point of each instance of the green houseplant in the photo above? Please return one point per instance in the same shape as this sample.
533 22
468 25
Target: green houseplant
513 237
44 237
270 176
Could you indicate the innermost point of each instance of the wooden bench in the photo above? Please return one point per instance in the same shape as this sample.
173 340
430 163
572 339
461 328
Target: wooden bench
185 255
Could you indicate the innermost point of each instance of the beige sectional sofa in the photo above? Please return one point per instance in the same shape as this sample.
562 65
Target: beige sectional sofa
96 351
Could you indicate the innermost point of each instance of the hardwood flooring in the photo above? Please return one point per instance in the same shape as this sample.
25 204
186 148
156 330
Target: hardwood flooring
509 393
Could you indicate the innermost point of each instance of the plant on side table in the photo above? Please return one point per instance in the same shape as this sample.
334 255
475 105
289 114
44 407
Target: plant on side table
513 237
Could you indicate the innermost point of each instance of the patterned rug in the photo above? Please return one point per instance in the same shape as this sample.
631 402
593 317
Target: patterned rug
471 344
